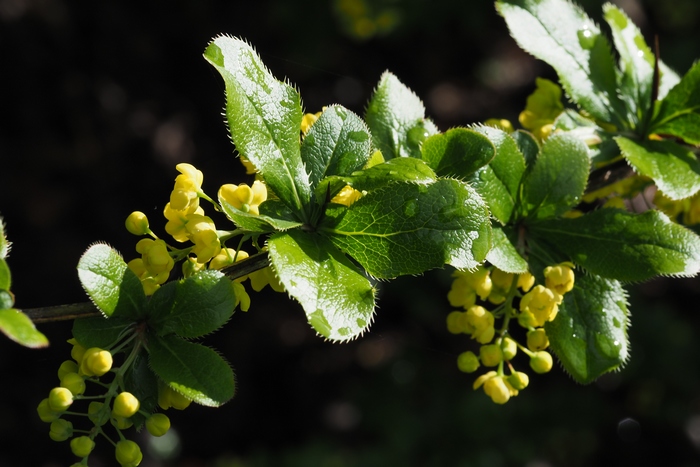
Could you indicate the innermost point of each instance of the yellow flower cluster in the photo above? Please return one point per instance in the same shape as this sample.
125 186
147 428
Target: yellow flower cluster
538 304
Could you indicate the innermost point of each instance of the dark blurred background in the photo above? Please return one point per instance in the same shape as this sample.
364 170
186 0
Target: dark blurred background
100 100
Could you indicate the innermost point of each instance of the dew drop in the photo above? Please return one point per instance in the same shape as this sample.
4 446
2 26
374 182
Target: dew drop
340 111
586 37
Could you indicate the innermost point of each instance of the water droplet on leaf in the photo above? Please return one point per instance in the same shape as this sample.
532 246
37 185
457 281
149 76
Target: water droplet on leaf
586 37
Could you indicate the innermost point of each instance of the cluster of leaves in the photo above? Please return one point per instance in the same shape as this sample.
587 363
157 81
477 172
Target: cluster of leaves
13 323
408 220
163 324
638 108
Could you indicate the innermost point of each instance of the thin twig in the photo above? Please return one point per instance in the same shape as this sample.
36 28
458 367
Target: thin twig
88 309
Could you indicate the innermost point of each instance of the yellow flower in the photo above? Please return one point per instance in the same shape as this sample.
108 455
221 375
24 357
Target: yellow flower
202 232
497 390
308 120
265 276
188 185
501 124
542 302
155 256
482 321
243 197
177 221
559 278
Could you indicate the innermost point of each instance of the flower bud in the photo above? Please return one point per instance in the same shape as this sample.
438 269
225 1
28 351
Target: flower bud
167 398
45 413
509 348
82 446
519 380
74 383
77 351
468 362
483 378
158 424
537 339
121 423
125 405
491 355
137 223
96 362
541 362
69 366
61 430
128 453
60 399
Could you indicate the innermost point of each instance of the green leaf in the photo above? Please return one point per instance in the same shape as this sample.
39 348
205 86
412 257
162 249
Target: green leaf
620 245
5 276
589 334
99 331
337 298
636 62
274 215
407 228
674 168
111 285
337 144
192 307
403 169
561 34
499 182
264 117
18 327
457 153
395 116
503 254
679 111
558 179
195 371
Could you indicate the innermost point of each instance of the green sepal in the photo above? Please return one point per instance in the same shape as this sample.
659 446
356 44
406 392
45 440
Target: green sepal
458 153
499 182
338 143
7 299
193 370
674 168
18 327
274 215
401 169
192 307
110 284
589 334
504 254
558 179
561 34
396 118
140 381
264 117
407 228
99 331
336 296
617 244
679 111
